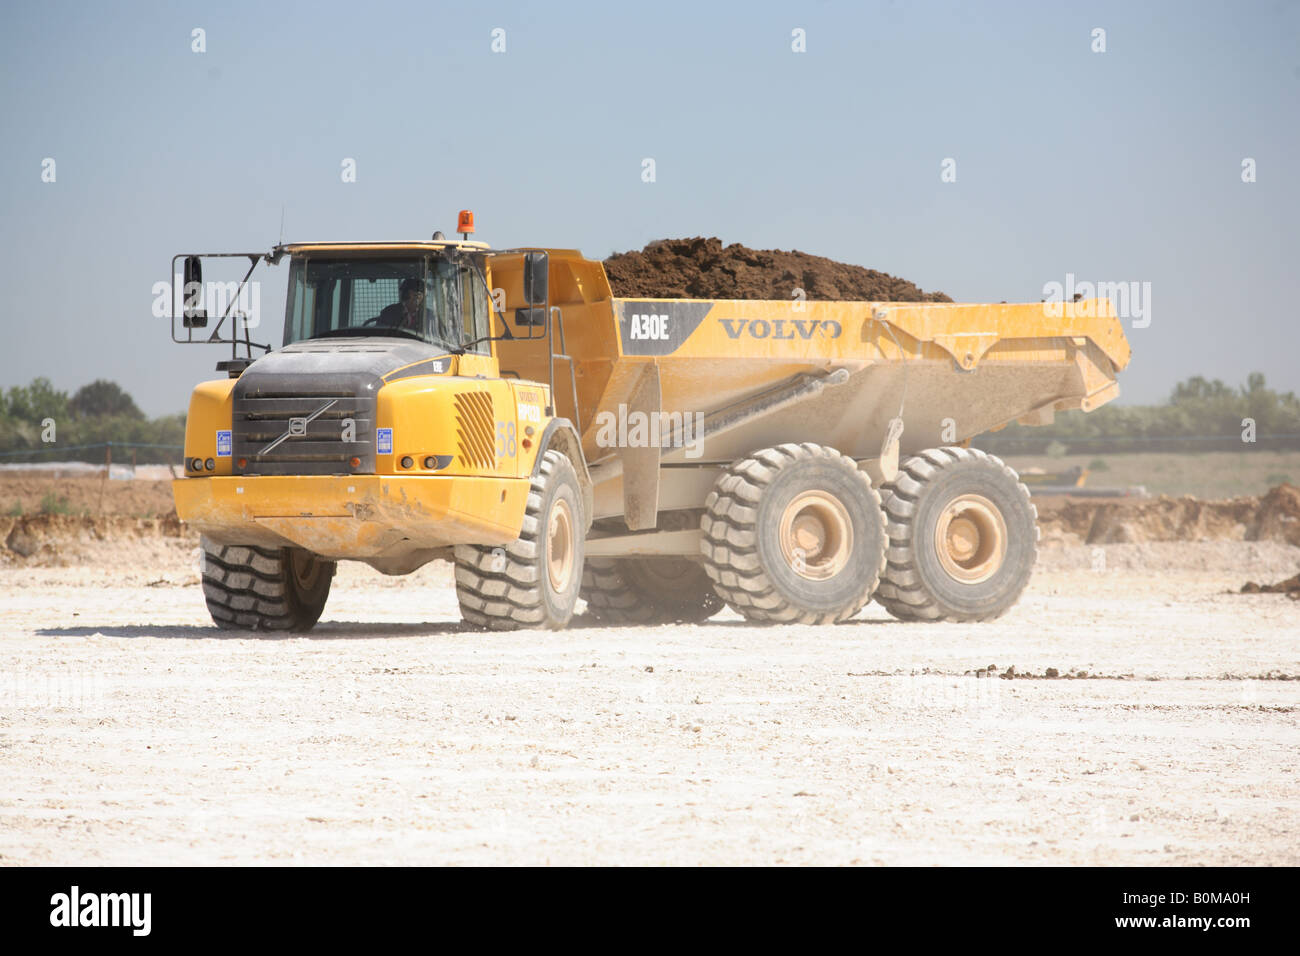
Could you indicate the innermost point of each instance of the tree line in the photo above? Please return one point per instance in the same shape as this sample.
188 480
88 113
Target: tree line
40 423
1200 415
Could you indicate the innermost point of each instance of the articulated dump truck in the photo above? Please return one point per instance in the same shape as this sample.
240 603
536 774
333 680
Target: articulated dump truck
660 458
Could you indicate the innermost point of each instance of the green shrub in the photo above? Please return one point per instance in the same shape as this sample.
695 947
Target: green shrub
53 504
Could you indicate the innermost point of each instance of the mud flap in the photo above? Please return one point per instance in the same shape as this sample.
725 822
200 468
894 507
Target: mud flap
641 465
884 469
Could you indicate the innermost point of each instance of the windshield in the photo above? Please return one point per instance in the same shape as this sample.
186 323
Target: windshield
441 300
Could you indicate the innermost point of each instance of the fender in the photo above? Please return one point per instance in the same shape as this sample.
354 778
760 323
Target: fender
563 437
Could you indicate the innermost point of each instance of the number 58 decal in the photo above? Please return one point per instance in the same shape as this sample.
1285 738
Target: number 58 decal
506 439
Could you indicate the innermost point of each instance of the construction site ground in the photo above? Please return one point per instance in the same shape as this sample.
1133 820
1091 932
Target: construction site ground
1151 718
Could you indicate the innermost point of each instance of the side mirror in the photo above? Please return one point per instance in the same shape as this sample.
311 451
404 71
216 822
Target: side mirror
535 269
194 315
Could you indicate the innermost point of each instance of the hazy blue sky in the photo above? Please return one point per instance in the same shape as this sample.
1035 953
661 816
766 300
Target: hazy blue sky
1123 165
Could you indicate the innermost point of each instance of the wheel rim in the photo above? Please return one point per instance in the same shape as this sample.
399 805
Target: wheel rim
971 539
559 546
816 535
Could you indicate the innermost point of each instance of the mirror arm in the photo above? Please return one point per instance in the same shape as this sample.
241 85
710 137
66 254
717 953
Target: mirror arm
253 259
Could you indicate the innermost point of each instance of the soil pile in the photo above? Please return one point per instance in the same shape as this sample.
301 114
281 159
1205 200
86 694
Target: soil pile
1279 515
1290 587
706 269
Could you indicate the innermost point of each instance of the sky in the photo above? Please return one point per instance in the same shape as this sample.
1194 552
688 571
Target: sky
1117 166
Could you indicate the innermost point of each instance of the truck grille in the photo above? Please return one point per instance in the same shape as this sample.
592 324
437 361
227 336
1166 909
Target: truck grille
315 447
475 443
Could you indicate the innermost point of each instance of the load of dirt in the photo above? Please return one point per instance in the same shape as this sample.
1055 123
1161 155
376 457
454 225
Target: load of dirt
1290 587
1273 517
706 269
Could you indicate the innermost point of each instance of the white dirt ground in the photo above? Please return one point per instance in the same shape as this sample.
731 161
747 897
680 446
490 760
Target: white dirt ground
133 732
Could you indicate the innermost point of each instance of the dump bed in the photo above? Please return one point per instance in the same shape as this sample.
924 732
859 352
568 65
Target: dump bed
949 370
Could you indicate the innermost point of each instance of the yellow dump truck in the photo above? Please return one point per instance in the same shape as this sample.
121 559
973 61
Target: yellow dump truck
661 458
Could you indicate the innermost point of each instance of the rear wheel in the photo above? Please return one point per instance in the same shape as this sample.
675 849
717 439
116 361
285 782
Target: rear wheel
794 534
534 580
648 590
265 589
962 537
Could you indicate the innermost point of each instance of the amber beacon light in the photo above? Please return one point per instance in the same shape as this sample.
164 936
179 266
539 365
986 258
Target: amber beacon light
465 223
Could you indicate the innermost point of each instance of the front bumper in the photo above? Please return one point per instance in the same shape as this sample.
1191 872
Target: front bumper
359 517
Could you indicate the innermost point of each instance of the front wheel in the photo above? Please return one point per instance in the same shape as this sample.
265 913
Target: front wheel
962 537
534 580
264 589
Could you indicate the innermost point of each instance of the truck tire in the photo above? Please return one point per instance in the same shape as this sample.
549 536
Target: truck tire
264 589
648 590
534 580
794 534
963 537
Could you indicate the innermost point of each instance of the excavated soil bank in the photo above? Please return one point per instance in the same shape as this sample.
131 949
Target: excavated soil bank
32 493
141 514
706 269
1273 517
56 540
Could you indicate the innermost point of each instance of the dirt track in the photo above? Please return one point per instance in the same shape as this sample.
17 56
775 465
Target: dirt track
134 732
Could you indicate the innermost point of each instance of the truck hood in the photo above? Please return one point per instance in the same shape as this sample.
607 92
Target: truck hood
369 360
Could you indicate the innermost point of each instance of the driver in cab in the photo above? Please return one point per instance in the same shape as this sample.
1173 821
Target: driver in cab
410 312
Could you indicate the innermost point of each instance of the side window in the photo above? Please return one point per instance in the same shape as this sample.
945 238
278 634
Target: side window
301 304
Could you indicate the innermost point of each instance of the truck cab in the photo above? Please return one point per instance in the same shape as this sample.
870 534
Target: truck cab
381 429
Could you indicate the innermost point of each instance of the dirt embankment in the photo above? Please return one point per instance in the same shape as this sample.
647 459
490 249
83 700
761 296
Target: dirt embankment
141 514
52 540
706 269
1271 517
36 493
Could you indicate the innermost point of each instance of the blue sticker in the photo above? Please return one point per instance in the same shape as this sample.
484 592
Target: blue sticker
385 441
223 444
